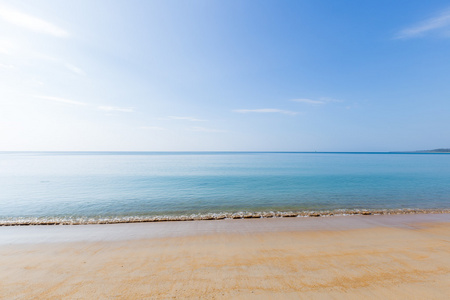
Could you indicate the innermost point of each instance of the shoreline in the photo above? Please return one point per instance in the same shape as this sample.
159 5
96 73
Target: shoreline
213 216
10 235
345 257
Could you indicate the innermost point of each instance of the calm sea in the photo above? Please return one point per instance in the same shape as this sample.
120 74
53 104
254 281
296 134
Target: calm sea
120 185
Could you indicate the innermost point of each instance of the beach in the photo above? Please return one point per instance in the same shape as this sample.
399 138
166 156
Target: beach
340 257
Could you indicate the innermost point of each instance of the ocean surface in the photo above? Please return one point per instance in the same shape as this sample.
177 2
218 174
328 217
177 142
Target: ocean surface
86 187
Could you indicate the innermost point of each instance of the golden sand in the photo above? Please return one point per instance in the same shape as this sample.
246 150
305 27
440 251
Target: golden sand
372 263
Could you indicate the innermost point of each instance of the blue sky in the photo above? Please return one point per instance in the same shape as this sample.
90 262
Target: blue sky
224 75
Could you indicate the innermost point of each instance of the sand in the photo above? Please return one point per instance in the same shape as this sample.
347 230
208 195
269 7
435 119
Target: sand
373 257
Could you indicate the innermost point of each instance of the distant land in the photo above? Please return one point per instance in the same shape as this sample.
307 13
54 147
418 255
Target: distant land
440 150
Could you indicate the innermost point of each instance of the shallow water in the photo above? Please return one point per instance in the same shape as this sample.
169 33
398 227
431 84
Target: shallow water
121 185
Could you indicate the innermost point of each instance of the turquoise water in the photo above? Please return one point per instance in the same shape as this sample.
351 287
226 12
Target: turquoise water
123 184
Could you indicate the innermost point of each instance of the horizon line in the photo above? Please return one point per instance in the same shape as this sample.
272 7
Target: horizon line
211 151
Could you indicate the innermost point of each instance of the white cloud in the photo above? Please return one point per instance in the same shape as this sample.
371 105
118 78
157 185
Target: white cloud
185 118
439 22
203 129
265 110
29 22
115 108
309 101
62 100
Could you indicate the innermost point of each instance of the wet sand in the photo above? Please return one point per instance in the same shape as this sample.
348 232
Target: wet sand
389 257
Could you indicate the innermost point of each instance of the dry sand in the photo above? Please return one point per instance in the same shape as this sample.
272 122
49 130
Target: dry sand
395 257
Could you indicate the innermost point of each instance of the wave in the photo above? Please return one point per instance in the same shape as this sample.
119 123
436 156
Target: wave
210 216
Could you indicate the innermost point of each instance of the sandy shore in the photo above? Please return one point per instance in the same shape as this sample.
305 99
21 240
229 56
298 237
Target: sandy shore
375 257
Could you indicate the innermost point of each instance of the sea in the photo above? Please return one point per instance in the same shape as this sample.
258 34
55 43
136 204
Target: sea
114 187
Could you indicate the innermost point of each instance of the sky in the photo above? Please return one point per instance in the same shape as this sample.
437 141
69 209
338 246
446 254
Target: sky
235 75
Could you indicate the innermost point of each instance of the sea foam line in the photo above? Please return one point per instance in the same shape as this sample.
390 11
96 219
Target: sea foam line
211 216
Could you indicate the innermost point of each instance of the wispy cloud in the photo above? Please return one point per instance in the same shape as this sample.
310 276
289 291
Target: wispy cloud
75 69
309 101
203 129
115 108
73 102
322 100
29 22
328 99
434 24
266 110
62 100
190 119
